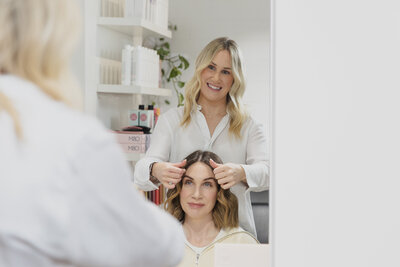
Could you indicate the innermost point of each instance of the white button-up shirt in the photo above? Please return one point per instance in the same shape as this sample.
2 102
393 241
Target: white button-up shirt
171 142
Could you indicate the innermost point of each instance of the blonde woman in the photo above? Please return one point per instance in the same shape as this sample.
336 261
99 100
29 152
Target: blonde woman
66 198
213 119
208 213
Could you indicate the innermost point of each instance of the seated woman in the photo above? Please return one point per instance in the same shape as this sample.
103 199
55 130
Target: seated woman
208 213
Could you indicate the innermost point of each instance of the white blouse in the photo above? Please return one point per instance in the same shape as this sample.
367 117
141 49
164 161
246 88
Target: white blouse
66 195
172 143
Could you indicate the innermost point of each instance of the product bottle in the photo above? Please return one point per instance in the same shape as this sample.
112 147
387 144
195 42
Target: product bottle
126 65
156 115
134 65
145 117
133 117
140 66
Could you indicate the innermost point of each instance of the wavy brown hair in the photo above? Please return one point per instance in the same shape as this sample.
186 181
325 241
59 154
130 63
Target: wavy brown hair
225 213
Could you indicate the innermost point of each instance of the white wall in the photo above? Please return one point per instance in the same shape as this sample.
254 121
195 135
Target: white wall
246 22
336 180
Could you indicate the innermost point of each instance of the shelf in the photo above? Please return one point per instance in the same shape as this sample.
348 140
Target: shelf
134 156
131 25
132 89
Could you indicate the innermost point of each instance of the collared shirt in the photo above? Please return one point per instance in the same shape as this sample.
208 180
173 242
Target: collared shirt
171 142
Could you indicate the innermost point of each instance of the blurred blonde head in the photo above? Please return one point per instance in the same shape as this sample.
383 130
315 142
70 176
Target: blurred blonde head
235 107
37 38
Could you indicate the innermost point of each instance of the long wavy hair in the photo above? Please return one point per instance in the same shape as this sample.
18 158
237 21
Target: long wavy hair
37 38
225 213
235 106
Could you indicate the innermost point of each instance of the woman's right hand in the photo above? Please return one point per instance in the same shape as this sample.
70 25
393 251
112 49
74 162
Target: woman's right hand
169 174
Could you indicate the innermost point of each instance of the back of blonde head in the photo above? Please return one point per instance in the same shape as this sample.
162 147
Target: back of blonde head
36 41
235 107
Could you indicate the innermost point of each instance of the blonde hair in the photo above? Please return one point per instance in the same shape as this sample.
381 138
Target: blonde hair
225 213
235 106
36 41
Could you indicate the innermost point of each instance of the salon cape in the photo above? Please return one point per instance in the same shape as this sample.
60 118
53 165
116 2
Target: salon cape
206 257
66 195
171 142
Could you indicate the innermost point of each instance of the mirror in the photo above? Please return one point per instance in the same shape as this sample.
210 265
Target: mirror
248 23
198 22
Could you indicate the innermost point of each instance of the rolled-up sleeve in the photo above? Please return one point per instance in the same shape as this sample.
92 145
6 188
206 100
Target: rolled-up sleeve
159 151
257 162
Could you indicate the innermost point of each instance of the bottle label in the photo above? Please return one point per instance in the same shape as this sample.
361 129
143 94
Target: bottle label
133 116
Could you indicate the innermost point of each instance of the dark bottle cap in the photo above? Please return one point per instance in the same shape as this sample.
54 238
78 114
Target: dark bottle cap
141 107
150 107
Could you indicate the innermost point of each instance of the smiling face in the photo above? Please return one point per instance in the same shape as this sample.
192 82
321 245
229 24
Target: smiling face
199 192
216 79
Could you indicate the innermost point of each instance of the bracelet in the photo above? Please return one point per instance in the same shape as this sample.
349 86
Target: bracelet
153 179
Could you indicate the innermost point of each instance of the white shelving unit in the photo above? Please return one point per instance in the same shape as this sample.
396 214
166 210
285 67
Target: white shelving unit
133 26
134 156
111 102
132 89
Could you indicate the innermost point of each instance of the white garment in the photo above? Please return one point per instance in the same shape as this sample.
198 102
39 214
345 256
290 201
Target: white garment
199 250
207 258
172 143
66 196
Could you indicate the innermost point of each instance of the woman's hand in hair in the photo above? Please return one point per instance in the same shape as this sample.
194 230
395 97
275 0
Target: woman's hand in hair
228 174
169 174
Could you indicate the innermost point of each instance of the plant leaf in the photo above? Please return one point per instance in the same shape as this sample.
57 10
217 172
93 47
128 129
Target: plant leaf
181 98
185 62
167 102
181 84
174 72
162 52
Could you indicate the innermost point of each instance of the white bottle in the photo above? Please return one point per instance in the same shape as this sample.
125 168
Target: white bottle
140 66
140 9
156 69
126 65
134 63
129 8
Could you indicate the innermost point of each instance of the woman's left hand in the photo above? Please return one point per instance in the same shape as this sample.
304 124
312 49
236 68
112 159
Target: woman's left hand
228 174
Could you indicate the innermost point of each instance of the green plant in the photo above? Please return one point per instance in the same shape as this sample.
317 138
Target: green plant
172 70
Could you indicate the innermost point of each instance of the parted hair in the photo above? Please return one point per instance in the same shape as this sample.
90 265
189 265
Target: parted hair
37 38
225 213
234 103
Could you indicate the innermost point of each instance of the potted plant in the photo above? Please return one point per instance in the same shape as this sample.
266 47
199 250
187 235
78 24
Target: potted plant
173 66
